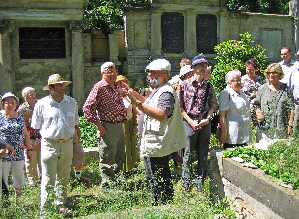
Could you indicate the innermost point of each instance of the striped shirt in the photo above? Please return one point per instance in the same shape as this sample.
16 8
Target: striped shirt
104 103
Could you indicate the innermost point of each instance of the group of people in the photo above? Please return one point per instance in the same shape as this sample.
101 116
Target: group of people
43 138
172 119
268 103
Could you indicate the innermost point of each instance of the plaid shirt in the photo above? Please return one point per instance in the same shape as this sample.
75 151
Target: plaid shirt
191 96
104 103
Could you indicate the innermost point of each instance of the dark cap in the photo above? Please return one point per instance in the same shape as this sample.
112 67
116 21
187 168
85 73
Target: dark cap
199 59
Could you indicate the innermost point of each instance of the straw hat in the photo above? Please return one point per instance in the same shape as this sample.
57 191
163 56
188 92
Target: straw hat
121 78
55 79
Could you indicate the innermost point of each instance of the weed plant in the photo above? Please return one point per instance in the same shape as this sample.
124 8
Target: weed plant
130 200
280 161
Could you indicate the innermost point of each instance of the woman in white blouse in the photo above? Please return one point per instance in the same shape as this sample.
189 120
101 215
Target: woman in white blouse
234 112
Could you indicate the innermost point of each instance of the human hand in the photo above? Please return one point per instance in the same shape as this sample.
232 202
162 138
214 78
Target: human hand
102 130
195 125
204 122
10 149
29 155
2 154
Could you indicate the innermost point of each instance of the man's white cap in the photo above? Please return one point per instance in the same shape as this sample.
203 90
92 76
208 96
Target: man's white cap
185 70
159 65
106 66
297 53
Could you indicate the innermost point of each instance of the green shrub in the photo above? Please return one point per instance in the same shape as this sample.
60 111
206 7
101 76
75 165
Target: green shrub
233 54
88 133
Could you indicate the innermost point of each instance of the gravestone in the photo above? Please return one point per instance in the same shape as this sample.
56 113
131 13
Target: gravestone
206 33
41 43
172 25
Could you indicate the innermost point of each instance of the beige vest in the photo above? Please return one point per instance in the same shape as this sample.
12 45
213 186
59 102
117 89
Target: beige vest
163 138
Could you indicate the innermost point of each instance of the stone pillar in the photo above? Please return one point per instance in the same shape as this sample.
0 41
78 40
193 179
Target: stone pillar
191 45
113 48
77 62
293 11
223 26
156 35
87 49
7 75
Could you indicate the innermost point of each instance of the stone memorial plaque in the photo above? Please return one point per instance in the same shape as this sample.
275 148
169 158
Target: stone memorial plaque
267 37
172 24
42 43
206 33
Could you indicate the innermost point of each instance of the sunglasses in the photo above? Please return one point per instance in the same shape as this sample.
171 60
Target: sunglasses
272 72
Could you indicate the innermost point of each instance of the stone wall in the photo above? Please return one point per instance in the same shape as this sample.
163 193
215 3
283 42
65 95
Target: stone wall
250 192
19 70
143 39
145 28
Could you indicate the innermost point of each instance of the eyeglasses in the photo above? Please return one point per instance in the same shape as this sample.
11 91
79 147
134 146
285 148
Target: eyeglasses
12 102
153 71
236 81
272 72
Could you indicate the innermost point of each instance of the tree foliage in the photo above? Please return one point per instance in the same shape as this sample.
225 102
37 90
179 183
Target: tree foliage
263 6
233 54
106 15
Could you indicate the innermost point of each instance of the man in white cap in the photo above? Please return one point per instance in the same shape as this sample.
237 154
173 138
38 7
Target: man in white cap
105 108
163 131
56 116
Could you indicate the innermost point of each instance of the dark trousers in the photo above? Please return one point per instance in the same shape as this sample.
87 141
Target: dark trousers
158 173
198 145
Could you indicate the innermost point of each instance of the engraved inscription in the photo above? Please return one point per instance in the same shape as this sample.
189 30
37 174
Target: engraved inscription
172 24
206 33
42 43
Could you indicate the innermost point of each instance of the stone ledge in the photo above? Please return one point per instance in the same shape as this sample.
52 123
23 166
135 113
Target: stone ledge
262 195
91 154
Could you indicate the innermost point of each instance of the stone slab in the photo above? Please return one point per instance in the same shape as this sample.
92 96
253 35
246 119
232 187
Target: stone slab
282 201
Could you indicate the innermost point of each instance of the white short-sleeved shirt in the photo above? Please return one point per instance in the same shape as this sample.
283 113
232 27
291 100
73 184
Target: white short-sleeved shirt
55 120
237 116
129 107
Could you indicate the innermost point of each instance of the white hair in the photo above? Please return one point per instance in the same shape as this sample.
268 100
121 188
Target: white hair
229 77
26 90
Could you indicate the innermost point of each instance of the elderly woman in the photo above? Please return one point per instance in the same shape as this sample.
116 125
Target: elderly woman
251 81
13 131
33 166
129 126
234 112
275 107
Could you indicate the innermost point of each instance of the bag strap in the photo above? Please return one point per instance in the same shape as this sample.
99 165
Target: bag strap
206 96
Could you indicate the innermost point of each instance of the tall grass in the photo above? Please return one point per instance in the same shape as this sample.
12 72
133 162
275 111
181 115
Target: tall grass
132 200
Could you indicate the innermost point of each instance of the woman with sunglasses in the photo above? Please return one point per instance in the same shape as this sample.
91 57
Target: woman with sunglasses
274 106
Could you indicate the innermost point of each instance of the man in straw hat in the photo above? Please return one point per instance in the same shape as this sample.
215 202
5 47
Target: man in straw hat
105 108
56 116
